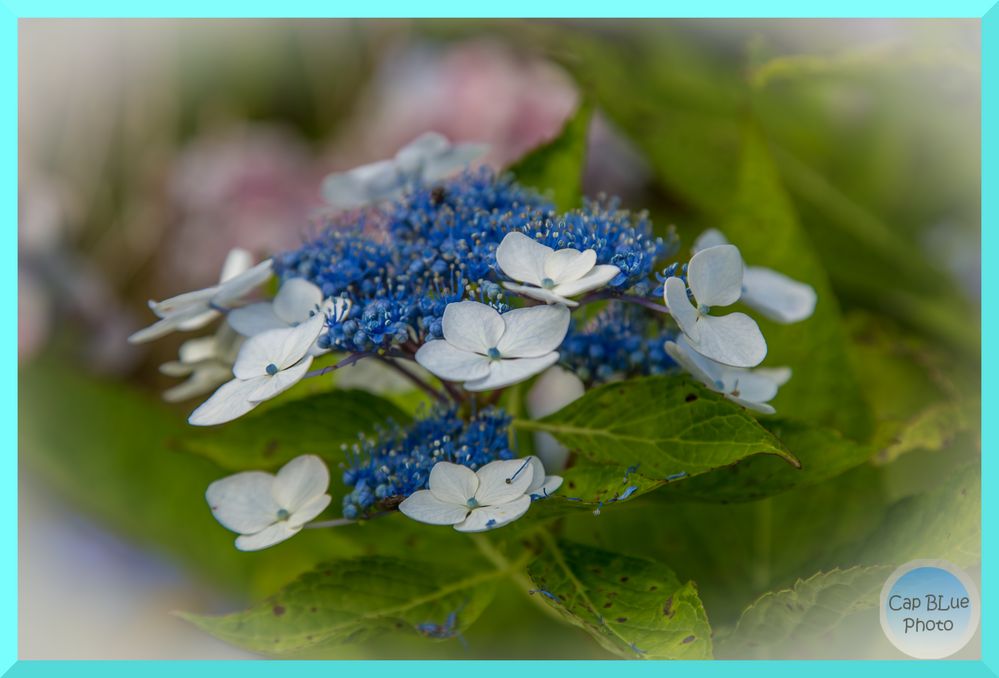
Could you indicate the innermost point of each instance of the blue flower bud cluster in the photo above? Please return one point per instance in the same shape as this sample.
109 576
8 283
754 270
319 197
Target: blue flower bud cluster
401 264
620 341
396 460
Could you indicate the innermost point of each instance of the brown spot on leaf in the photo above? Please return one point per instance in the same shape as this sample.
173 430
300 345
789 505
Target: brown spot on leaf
688 639
270 448
624 579
691 397
621 620
668 607
279 610
608 604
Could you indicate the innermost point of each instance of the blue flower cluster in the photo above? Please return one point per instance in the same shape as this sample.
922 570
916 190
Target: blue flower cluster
620 341
402 264
396 461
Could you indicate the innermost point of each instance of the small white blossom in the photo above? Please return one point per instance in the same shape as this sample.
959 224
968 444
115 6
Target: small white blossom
475 501
550 275
715 278
776 296
296 301
753 389
264 508
205 361
268 364
553 390
194 310
487 350
430 157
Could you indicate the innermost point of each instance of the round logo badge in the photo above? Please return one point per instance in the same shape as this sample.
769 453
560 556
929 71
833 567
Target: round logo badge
929 609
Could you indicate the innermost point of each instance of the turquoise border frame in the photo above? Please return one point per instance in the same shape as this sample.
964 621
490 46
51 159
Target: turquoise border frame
986 10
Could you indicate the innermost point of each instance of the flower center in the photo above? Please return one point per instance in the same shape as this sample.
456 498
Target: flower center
472 503
548 283
283 514
494 353
703 309
271 369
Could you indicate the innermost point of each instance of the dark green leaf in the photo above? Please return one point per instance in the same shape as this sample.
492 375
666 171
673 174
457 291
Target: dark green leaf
556 168
319 424
665 427
349 601
635 608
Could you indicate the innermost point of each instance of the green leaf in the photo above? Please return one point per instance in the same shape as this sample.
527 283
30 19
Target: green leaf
943 523
348 601
822 452
664 426
766 230
319 424
635 608
556 168
779 623
114 454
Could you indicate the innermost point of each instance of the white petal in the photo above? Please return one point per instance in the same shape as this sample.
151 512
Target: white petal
715 275
537 474
205 379
555 389
411 158
569 265
297 300
269 536
199 349
548 487
187 304
503 481
776 296
363 185
534 331
505 372
678 303
229 402
269 387
595 279
176 368
456 157
158 329
734 339
450 363
554 454
749 386
472 326
281 348
757 407
704 370
310 510
491 517
237 261
188 322
254 319
778 375
453 483
299 481
243 502
539 293
710 238
522 258
235 288
422 505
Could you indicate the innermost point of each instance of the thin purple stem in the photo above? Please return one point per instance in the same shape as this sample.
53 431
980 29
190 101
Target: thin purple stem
349 360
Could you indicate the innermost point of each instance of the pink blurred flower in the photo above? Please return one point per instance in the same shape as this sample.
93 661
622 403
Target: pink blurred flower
474 91
251 186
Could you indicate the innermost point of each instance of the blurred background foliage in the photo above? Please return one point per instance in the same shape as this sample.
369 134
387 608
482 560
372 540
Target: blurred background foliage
848 150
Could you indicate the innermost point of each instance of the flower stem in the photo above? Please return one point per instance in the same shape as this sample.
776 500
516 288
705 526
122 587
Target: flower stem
427 388
349 360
